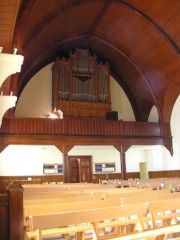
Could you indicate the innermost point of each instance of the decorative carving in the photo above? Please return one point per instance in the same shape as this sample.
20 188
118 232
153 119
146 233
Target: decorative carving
10 64
6 102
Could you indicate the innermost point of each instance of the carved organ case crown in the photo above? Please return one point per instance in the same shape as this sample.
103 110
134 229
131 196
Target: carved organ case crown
81 86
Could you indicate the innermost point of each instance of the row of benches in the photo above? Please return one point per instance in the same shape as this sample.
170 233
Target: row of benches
61 210
155 183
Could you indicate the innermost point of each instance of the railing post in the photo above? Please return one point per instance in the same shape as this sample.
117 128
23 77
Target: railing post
15 211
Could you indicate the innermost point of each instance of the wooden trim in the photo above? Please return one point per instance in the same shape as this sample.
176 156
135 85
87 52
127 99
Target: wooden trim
84 126
95 178
133 175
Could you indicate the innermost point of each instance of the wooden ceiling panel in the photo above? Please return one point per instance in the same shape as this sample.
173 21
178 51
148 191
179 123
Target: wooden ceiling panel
165 14
8 14
64 21
112 21
39 13
145 46
130 32
139 39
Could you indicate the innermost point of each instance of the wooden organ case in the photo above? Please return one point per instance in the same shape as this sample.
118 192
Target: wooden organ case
81 86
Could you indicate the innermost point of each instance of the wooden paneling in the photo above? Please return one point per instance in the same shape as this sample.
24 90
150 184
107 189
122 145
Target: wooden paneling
11 212
5 180
159 13
163 174
74 131
137 40
84 109
4 216
133 175
75 126
8 14
112 176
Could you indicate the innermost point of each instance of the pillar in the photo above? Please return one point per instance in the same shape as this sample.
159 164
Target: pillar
65 149
123 165
122 149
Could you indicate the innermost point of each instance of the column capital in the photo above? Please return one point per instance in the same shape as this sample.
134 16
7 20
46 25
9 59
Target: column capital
122 148
64 148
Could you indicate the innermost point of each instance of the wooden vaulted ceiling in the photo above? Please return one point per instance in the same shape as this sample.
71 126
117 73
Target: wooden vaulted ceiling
139 39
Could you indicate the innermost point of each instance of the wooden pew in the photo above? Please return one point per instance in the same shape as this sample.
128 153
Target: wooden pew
77 197
66 187
47 223
153 234
90 201
165 212
153 183
72 206
94 216
55 188
54 206
37 193
47 193
52 209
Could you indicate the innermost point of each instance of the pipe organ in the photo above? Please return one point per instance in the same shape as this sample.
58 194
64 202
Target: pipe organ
81 86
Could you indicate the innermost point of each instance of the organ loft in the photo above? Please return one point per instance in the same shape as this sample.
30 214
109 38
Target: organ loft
81 86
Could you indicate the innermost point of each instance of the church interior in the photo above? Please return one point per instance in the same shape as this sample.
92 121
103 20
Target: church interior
89 119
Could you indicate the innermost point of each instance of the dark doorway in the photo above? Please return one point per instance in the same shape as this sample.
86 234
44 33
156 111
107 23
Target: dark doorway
80 169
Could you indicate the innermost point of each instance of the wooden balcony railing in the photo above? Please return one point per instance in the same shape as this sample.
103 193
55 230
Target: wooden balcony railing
83 127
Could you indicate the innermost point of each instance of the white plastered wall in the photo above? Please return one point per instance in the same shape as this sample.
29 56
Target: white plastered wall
35 101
